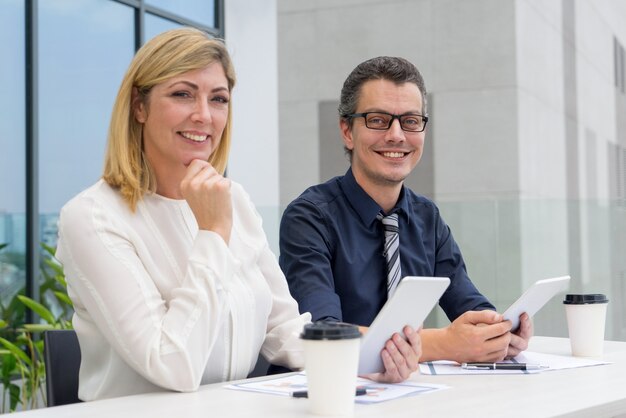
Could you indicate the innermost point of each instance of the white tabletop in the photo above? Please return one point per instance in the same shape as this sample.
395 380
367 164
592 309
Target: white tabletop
598 391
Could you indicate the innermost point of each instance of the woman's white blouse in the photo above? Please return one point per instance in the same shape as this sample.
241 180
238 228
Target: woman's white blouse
160 304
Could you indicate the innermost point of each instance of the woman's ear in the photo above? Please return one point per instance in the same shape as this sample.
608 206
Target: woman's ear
139 108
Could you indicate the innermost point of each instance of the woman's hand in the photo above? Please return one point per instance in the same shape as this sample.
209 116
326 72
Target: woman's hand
208 194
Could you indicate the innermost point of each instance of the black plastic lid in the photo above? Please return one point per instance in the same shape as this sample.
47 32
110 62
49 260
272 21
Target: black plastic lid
587 299
329 330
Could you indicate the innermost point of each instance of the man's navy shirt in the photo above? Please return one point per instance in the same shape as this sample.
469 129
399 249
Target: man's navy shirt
331 251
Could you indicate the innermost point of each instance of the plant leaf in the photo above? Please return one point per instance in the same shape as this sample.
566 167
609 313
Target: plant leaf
16 351
8 365
39 327
62 297
37 307
47 248
54 265
65 324
14 391
3 323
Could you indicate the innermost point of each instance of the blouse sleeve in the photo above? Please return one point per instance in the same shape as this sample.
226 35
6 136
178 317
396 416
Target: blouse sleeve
166 342
282 345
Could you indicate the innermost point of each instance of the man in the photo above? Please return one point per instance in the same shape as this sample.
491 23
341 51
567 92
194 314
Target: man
339 240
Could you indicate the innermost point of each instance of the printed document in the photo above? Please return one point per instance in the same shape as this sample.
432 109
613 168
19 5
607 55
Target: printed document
376 392
552 361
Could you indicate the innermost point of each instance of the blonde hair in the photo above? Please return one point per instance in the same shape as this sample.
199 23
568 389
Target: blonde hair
165 56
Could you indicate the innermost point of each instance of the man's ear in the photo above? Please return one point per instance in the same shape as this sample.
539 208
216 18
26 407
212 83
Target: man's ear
346 133
139 108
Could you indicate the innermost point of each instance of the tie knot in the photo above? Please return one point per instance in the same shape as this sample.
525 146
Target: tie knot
389 220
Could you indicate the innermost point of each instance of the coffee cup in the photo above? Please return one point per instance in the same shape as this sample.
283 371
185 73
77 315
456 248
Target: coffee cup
586 316
331 358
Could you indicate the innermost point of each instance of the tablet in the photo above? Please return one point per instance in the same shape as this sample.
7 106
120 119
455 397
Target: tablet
534 298
409 305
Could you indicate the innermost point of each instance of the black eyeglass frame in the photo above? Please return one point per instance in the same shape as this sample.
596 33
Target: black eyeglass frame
393 117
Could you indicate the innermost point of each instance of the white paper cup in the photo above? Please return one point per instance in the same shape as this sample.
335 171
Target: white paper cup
331 357
586 316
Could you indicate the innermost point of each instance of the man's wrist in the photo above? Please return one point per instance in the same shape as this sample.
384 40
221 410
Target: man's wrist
434 344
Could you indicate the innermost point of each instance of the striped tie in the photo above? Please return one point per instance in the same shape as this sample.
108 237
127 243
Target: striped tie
392 250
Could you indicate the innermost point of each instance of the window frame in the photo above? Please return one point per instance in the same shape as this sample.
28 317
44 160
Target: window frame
33 238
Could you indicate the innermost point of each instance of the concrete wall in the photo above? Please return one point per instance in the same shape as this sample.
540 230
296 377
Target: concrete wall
319 44
251 33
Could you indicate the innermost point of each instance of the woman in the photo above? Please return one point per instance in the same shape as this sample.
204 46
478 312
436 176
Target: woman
168 267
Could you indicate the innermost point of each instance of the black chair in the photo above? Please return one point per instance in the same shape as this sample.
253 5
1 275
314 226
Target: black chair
62 358
260 369
264 368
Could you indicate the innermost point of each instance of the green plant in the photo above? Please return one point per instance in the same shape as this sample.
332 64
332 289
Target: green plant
22 371
22 359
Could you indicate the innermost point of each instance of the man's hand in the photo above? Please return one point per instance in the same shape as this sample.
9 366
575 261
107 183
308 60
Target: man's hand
520 338
473 336
400 357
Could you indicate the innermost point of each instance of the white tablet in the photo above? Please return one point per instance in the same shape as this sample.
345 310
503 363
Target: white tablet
413 299
534 298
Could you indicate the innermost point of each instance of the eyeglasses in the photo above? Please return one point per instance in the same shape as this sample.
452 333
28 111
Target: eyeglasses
381 121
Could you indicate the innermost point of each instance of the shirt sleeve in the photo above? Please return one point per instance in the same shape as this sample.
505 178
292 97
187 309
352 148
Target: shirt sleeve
167 342
462 295
306 256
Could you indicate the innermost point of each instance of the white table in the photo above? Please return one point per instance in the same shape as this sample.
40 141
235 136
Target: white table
598 391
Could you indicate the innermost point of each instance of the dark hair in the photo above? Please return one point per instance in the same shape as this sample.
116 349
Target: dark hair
395 69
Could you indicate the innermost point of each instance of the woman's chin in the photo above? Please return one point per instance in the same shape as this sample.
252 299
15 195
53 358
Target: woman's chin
188 160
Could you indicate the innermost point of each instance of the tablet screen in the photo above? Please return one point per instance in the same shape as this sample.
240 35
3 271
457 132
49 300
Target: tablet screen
412 301
534 298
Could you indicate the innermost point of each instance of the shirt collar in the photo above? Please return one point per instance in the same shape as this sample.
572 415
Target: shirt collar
364 205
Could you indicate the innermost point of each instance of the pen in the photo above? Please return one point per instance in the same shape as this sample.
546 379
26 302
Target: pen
304 393
502 366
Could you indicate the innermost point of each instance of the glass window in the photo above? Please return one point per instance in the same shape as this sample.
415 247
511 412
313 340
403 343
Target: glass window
84 49
155 25
200 11
12 150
